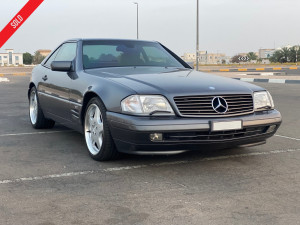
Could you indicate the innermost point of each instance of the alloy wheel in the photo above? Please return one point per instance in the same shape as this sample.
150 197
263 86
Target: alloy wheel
93 129
33 107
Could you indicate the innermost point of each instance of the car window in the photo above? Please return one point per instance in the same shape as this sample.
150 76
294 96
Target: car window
114 53
100 55
156 57
67 52
51 59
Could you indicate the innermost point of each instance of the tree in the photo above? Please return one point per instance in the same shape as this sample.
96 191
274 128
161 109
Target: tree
276 57
285 54
294 54
235 59
252 56
281 56
27 58
38 58
297 52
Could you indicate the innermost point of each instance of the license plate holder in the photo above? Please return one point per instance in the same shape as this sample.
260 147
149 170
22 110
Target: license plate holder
226 125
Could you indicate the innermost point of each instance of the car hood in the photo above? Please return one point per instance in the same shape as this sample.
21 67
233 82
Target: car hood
173 81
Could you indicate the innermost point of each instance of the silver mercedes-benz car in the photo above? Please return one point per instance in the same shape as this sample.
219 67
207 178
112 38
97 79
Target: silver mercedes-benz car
139 97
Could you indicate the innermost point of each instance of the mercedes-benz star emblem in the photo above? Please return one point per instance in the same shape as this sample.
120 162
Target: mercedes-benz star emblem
219 104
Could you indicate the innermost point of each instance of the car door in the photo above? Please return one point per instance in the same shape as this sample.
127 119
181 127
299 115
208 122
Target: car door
54 91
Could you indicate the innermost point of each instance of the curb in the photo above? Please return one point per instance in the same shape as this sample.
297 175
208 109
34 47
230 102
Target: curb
252 69
14 74
264 74
274 81
4 79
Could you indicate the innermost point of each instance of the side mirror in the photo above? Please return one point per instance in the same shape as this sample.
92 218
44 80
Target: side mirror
62 66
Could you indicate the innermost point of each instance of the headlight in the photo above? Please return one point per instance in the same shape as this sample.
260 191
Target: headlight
146 105
263 100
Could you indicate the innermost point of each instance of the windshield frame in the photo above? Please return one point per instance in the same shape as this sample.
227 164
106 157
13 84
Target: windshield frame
170 54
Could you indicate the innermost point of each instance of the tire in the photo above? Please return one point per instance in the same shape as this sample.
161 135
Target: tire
98 138
36 115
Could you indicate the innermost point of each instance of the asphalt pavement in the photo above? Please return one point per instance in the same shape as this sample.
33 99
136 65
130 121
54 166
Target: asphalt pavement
47 176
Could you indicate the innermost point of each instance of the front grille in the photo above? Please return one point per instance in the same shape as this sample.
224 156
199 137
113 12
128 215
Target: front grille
202 105
215 135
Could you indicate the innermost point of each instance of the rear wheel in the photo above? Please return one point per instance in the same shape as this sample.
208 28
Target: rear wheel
36 115
97 134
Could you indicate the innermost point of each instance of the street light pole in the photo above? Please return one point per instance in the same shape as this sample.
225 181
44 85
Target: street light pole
197 38
137 19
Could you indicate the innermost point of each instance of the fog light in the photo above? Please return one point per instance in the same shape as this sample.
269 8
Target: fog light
156 137
271 128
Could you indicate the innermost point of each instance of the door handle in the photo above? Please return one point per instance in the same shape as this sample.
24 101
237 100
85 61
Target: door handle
45 78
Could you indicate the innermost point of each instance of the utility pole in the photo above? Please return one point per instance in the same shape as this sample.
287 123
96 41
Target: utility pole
197 38
137 19
297 50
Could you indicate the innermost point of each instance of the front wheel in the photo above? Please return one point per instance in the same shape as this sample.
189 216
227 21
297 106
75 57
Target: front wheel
36 115
97 134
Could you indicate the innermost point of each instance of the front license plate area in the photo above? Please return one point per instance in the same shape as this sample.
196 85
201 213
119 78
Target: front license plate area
226 125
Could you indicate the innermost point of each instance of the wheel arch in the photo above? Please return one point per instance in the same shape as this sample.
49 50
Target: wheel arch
110 93
31 85
87 97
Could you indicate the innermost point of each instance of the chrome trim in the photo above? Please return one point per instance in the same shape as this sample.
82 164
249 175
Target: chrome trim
216 115
76 103
262 121
60 99
157 152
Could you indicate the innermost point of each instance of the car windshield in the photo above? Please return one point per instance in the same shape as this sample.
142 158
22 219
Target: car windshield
114 53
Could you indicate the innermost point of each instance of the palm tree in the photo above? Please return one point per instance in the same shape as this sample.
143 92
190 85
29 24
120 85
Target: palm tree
252 56
281 56
285 53
276 57
294 54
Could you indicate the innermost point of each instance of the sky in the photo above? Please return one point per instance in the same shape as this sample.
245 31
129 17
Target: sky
225 26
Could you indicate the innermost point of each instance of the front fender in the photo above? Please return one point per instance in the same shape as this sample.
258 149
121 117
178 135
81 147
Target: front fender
110 92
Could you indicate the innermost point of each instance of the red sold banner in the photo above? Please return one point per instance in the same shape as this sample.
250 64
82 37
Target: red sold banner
18 20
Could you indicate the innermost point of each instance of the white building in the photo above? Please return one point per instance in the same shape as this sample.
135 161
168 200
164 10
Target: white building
10 58
265 53
212 58
189 57
206 58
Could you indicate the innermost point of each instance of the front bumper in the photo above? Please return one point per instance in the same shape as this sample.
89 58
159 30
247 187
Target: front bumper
132 133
